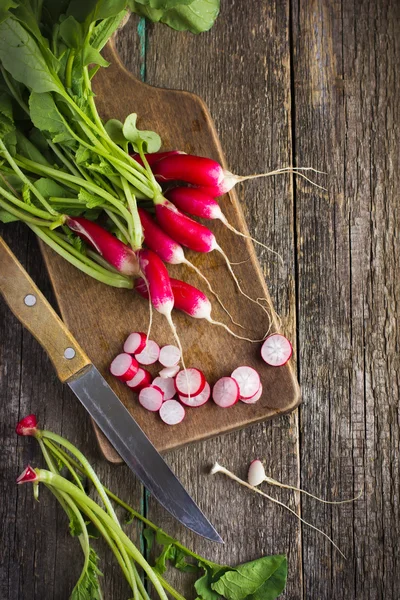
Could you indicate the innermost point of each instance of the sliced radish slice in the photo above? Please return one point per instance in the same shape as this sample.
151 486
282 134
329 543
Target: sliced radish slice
135 343
124 366
151 398
150 354
167 385
169 356
169 371
142 379
190 382
276 350
225 392
248 381
254 398
199 400
172 412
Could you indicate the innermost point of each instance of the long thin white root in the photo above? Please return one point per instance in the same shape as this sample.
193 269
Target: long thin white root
239 337
294 170
178 341
296 489
217 468
225 221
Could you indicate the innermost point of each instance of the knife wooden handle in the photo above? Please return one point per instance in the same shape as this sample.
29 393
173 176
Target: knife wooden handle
30 306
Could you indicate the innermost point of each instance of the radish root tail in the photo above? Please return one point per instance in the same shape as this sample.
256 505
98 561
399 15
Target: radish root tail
150 311
239 337
283 170
296 489
178 341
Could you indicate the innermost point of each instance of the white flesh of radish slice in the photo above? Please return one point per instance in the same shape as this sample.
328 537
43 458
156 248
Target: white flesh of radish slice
276 350
169 371
248 381
169 356
199 400
151 398
142 378
256 473
124 366
225 392
172 412
254 398
190 382
150 354
167 385
135 343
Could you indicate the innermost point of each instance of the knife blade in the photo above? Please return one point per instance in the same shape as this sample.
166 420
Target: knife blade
75 368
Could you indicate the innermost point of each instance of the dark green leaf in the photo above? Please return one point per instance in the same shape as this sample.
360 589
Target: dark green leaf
5 5
90 200
71 32
82 154
274 586
114 129
91 56
29 150
149 535
168 553
6 217
104 30
89 587
203 587
163 538
196 17
49 187
46 117
92 10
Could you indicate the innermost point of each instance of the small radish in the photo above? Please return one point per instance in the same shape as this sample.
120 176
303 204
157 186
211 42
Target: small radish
172 412
124 366
169 356
248 381
135 343
256 473
169 371
115 252
142 379
199 399
190 382
155 157
166 385
151 398
150 354
225 392
276 350
254 398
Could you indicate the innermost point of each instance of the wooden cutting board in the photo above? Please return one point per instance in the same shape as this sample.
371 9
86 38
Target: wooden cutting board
101 317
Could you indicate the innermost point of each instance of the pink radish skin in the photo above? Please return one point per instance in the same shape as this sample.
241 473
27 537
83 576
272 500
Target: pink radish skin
159 242
225 392
157 277
276 350
135 343
115 252
248 381
167 385
172 412
142 379
190 382
183 229
199 399
124 367
169 356
151 398
254 398
155 157
169 372
195 202
150 354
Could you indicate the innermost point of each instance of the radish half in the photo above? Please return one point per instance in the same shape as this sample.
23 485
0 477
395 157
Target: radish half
124 366
169 356
225 392
142 379
135 343
254 398
167 385
190 382
151 398
150 354
169 371
248 381
199 400
172 412
276 350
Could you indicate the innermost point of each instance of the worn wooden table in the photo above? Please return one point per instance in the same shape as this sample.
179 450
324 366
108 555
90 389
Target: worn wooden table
308 83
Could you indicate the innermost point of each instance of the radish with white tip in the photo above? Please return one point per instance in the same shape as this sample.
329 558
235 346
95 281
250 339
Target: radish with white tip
172 412
167 385
169 356
169 371
248 381
151 398
135 343
276 350
225 392
199 399
254 398
190 382
124 367
256 473
150 354
142 379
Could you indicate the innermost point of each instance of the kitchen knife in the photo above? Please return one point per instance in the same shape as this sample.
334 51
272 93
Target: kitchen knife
75 368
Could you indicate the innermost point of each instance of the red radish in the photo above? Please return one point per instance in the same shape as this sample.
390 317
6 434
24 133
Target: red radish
225 392
135 343
199 399
169 371
172 412
28 475
155 157
142 379
276 350
190 382
124 366
150 354
151 398
166 385
254 398
27 425
115 252
169 356
248 381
